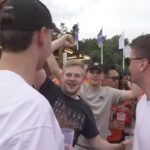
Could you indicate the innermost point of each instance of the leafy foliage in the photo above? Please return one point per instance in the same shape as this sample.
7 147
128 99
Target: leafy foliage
111 54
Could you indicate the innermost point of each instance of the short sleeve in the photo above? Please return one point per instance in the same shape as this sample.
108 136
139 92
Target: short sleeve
90 129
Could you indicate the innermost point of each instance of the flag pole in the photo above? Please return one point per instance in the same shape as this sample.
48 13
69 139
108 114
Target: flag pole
100 43
77 45
123 65
102 53
121 46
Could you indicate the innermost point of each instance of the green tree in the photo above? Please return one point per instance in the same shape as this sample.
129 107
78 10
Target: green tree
111 54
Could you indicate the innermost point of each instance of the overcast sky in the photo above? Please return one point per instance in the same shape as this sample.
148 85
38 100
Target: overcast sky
130 16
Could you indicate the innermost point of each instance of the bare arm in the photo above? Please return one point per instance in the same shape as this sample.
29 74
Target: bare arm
134 93
54 67
98 143
66 41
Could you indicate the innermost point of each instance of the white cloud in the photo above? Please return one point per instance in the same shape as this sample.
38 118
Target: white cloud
132 16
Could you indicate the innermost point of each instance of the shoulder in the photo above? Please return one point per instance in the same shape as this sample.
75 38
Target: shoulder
32 99
48 88
85 106
46 84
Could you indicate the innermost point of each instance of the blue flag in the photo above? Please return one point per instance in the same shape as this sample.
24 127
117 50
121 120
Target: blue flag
76 32
100 38
76 35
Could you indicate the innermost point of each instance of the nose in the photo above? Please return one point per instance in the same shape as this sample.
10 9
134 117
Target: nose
95 74
72 77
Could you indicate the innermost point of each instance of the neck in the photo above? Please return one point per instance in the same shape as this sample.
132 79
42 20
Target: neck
147 92
145 85
18 63
94 88
74 96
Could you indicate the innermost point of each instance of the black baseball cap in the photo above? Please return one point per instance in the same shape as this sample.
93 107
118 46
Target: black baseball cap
95 65
28 15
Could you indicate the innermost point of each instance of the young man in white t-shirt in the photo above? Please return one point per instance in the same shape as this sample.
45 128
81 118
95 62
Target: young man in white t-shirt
27 119
139 66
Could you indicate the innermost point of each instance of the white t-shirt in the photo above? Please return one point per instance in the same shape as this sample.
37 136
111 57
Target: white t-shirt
142 126
27 121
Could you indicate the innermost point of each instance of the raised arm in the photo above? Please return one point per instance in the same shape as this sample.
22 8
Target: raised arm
64 41
54 67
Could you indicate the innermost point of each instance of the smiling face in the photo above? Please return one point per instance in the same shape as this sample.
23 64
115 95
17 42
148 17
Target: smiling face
95 77
72 79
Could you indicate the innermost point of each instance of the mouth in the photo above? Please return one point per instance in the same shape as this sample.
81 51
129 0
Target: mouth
71 85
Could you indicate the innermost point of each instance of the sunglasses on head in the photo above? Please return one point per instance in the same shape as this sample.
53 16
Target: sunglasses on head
128 60
114 78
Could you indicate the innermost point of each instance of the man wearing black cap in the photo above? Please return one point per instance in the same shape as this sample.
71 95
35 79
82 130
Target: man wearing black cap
100 99
27 121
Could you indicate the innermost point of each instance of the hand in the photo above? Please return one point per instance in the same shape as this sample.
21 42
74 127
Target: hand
121 108
64 41
117 124
119 146
68 147
128 144
67 40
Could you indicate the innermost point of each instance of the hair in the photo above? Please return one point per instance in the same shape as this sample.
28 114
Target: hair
107 68
15 41
0 51
74 62
2 3
141 46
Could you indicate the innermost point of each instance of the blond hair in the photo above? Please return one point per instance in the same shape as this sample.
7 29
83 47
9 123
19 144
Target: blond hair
74 62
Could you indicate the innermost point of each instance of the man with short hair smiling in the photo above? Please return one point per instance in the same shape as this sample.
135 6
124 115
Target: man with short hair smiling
99 98
70 109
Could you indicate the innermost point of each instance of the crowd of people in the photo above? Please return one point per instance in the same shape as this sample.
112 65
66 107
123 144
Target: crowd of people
94 101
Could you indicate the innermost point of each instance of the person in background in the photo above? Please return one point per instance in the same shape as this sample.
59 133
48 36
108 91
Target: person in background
111 77
100 99
121 114
27 119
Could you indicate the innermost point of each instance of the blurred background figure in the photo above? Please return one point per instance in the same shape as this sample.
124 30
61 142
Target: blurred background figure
122 114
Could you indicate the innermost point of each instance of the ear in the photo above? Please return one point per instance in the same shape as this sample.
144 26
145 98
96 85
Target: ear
143 64
41 35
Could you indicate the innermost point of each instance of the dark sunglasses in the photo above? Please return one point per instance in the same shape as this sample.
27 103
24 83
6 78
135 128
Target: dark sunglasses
128 60
114 78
